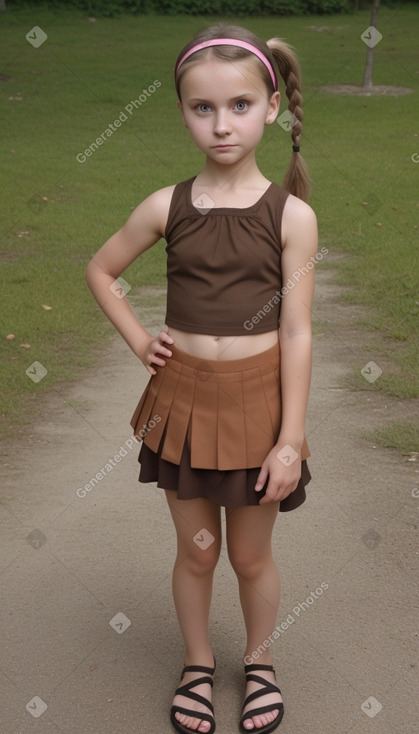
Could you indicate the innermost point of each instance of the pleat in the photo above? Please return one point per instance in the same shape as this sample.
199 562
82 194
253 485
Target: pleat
145 405
178 419
162 406
271 390
203 433
229 418
261 421
305 451
231 435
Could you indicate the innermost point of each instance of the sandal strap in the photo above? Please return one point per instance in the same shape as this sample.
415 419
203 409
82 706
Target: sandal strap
264 710
266 688
255 666
262 692
185 691
197 669
192 684
195 714
195 697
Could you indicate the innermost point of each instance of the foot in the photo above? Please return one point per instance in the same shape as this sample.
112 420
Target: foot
194 723
256 722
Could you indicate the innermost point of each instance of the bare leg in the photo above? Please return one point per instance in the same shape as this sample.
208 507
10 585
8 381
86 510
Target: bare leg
249 531
192 590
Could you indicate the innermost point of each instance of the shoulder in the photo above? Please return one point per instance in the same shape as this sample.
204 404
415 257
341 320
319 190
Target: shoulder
296 209
160 199
153 210
298 222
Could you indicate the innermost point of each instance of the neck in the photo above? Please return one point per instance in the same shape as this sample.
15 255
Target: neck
243 174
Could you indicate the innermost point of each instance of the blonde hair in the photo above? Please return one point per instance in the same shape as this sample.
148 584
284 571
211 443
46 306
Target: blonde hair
284 63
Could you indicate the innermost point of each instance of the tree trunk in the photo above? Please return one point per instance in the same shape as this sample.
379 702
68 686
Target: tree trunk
370 53
2 5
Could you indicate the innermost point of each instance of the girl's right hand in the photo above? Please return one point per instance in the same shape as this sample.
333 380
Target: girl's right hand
153 351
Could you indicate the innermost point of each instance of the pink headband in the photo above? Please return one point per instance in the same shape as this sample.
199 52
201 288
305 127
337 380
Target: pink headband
230 42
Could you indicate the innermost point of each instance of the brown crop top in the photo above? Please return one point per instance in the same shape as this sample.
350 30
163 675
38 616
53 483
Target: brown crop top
224 266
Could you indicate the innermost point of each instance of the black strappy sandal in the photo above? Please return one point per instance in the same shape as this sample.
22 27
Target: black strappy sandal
185 690
266 688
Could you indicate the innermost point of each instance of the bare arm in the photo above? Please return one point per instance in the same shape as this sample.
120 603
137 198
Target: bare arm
143 229
297 264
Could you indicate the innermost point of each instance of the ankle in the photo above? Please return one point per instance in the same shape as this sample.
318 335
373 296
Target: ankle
202 656
251 659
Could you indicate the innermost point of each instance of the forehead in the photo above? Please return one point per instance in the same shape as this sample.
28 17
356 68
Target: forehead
214 77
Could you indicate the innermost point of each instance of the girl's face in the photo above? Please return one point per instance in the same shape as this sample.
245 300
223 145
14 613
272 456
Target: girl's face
225 106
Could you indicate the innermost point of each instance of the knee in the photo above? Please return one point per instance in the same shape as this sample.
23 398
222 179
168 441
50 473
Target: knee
248 563
202 560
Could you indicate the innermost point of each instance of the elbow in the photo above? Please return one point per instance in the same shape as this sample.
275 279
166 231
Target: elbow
88 274
301 333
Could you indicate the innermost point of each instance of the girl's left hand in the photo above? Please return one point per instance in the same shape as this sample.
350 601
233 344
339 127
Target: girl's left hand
284 474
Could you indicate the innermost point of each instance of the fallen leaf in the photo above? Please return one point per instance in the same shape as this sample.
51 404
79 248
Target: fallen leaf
378 224
10 337
25 346
46 308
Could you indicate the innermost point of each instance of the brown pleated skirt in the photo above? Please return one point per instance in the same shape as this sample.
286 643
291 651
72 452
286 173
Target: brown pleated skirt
208 425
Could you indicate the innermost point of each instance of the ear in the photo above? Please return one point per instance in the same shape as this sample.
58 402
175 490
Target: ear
180 108
273 109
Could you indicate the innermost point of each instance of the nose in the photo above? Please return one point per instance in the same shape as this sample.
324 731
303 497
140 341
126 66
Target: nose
222 124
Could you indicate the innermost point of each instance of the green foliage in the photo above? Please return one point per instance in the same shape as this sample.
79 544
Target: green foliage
400 435
113 8
56 211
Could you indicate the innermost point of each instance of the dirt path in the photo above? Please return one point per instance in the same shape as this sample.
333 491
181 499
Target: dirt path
90 637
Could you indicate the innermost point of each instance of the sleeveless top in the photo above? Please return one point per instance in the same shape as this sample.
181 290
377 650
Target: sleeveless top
224 264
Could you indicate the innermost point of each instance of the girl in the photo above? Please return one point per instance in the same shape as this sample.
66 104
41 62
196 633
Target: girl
222 417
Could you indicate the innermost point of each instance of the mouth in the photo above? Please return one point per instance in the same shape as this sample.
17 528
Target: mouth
223 147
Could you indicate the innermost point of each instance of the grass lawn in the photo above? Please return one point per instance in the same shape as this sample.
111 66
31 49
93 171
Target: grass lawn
56 210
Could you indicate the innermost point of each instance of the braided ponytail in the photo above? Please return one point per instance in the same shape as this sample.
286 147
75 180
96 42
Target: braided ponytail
297 180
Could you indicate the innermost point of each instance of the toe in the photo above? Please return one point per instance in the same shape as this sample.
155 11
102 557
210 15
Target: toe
193 724
248 724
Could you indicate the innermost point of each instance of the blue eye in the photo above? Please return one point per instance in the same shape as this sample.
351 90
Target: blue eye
203 107
241 106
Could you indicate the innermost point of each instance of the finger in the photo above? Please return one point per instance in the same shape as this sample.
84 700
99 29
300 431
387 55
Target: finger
165 337
273 494
158 348
266 499
154 359
262 477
